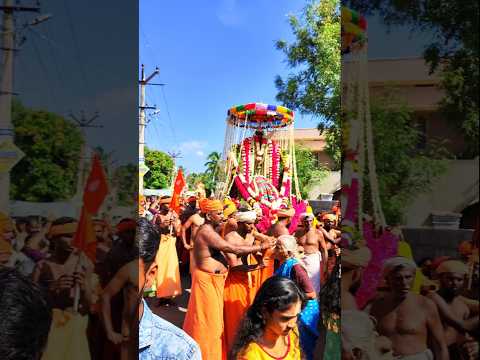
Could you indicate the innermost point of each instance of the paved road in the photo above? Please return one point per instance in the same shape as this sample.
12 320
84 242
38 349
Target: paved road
174 313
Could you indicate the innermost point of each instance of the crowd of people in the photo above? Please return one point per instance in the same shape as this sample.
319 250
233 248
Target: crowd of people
40 250
419 312
253 295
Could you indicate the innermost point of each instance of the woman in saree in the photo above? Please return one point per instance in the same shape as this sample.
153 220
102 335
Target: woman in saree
291 267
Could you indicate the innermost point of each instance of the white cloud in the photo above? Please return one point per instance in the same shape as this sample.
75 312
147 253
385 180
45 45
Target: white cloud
229 13
193 147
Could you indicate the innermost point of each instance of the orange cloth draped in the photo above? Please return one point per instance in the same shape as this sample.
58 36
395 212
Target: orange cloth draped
240 290
269 263
168 281
204 319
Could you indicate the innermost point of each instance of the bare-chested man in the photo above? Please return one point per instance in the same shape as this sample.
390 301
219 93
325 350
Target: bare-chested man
188 233
204 319
61 275
452 277
409 320
314 247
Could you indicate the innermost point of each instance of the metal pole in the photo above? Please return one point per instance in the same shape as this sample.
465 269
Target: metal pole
6 128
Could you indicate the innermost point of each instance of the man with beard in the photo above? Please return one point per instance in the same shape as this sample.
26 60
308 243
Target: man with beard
60 275
312 242
452 277
204 319
409 320
353 263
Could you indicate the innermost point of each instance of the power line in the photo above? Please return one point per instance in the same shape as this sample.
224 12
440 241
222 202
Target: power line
77 50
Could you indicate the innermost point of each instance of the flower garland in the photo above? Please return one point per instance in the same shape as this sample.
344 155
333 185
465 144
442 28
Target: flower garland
246 159
275 168
383 246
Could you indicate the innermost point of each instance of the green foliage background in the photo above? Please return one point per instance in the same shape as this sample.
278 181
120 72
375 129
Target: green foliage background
52 147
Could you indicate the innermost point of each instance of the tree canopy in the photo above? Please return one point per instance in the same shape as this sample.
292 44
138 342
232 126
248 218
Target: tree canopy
161 169
313 86
52 147
309 172
453 49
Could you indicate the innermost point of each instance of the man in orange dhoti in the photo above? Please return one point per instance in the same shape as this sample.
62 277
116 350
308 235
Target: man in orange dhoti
204 319
243 278
168 282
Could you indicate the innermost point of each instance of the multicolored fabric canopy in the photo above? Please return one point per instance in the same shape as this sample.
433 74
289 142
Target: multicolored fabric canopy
259 115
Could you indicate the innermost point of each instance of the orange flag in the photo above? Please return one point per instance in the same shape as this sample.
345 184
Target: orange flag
96 189
177 190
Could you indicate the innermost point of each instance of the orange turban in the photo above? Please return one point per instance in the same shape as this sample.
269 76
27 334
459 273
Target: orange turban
465 248
126 225
207 205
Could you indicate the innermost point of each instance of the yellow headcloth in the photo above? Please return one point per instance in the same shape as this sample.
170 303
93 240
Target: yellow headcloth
452 266
229 207
64 229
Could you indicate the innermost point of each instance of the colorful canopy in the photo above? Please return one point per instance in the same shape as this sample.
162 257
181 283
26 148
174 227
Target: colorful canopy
354 27
259 115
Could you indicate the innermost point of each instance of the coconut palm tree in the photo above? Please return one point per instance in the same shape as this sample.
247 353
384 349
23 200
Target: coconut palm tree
212 164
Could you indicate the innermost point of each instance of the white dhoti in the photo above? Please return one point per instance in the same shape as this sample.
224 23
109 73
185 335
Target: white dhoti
424 355
312 265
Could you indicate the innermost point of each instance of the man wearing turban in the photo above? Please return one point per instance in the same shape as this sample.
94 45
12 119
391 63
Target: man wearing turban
456 315
353 263
244 275
410 321
204 319
66 270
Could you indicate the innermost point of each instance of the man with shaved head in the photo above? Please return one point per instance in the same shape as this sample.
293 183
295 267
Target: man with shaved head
410 321
451 274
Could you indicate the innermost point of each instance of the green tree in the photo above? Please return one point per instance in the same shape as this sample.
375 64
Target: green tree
212 165
454 48
309 172
194 178
314 86
403 170
161 169
52 146
125 179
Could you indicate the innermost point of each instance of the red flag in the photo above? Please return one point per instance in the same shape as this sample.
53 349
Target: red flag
177 190
96 188
85 238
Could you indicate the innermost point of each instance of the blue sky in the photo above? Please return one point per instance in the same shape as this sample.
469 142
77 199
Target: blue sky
211 56
220 53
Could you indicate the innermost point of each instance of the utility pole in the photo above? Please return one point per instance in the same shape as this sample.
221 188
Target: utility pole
174 155
83 123
143 169
9 154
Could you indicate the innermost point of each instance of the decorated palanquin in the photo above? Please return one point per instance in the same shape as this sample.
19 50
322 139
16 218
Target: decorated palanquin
260 159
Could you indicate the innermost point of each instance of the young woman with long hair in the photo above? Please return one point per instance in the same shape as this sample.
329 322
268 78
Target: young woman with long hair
269 328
